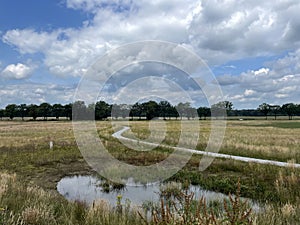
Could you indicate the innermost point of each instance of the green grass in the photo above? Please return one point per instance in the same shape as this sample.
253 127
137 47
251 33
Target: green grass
279 124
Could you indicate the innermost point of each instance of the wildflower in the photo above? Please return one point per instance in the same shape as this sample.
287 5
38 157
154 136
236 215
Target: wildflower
119 198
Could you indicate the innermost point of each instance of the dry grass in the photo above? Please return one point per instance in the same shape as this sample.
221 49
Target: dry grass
35 134
24 150
252 138
247 138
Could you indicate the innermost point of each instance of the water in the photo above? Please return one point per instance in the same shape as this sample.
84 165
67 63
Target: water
88 189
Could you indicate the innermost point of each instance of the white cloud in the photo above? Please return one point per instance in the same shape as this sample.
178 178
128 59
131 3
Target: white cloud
219 31
29 40
35 93
249 92
17 71
262 85
261 71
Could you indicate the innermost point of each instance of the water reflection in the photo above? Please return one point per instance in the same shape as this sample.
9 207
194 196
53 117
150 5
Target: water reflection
89 188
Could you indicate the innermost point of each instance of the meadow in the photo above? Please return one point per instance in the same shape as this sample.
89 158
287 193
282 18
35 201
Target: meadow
30 171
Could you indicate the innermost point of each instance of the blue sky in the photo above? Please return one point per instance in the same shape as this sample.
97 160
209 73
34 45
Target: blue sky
252 47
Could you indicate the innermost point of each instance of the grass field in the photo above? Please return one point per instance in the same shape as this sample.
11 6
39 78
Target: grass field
30 170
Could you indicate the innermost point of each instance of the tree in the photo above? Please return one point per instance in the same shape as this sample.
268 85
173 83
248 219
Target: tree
57 110
183 108
2 113
151 109
22 110
125 109
164 109
136 110
265 109
298 110
116 111
203 112
79 110
33 111
121 110
45 110
221 108
67 110
102 110
192 112
275 109
11 110
290 109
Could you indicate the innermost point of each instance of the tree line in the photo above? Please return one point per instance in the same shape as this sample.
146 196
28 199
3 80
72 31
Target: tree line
147 110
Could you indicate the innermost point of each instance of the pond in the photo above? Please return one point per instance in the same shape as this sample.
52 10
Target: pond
90 188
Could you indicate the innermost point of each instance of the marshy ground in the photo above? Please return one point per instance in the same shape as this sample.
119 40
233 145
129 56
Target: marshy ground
28 165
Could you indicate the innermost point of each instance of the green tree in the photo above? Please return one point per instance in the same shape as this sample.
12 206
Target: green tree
136 111
22 110
203 112
11 110
2 113
164 109
67 111
298 110
173 112
45 110
33 111
275 109
57 110
290 109
102 110
151 109
265 109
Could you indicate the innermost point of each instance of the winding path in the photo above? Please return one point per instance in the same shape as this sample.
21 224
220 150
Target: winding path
119 136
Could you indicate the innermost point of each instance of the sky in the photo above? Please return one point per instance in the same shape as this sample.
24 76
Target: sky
251 47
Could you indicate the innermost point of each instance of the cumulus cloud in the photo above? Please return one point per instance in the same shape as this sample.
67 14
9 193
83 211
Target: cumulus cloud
17 71
218 31
277 84
29 40
234 29
36 93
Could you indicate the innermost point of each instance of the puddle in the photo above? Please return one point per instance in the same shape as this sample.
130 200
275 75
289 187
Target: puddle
88 189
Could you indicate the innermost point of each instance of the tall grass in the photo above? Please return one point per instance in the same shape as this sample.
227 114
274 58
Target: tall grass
182 209
31 205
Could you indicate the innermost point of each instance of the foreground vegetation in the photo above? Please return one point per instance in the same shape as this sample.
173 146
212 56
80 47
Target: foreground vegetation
30 171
